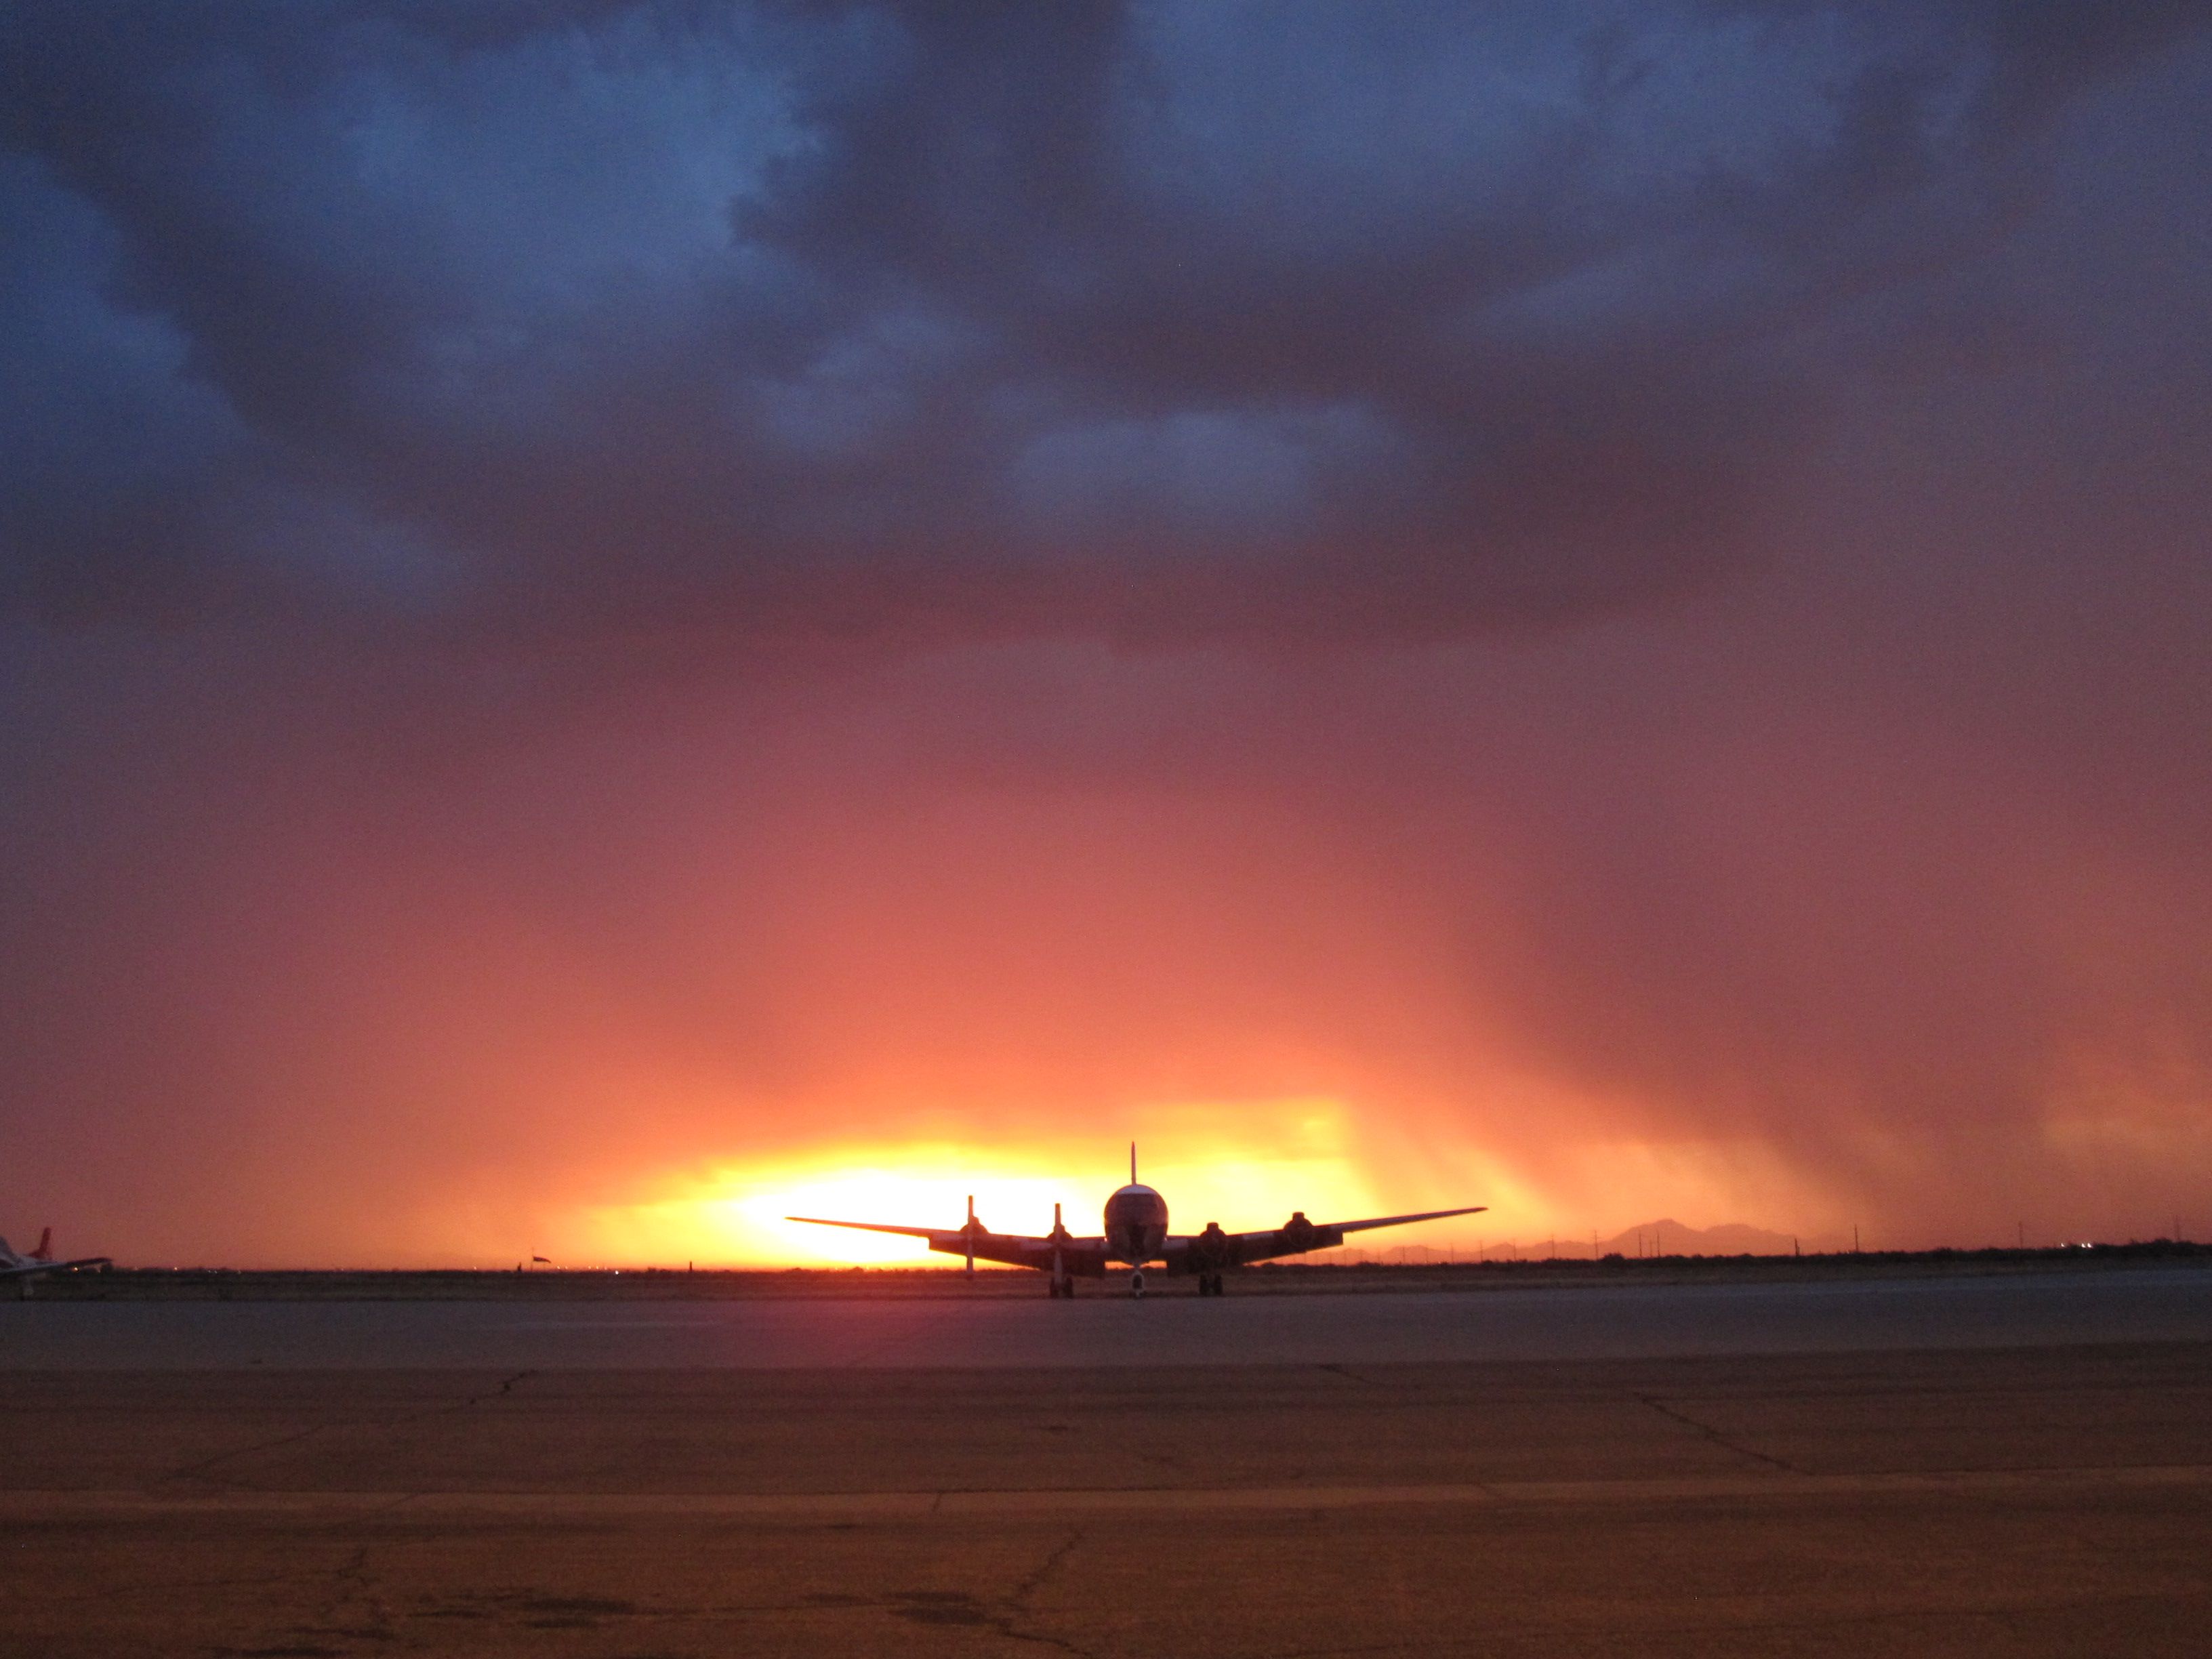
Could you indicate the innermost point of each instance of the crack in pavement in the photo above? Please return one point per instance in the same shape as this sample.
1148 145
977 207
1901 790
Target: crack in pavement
1034 1582
200 1471
501 1392
1351 1375
1716 1437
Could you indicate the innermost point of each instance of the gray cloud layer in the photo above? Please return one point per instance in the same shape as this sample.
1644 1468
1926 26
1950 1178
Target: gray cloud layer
435 439
1176 320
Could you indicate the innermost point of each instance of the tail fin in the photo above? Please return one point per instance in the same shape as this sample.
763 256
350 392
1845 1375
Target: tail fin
44 1249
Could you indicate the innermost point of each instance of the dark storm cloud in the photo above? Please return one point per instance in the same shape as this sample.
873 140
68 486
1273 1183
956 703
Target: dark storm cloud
1172 319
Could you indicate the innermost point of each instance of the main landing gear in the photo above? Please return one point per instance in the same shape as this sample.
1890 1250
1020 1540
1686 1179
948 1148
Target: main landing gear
1210 1285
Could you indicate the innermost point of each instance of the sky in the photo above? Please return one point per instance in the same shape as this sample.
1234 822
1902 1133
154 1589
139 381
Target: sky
620 618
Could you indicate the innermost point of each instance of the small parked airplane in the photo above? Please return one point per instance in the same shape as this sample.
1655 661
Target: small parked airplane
41 1260
1136 1236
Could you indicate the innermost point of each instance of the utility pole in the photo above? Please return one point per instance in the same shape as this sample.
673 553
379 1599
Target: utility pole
2022 1227
1855 1238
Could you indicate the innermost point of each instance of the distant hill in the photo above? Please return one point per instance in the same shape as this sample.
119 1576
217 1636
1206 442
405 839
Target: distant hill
1664 1238
1671 1237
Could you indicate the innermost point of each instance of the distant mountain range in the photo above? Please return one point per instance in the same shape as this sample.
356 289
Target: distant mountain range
1671 1237
1664 1238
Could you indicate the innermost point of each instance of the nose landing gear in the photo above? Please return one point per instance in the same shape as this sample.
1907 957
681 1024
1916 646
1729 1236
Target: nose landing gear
1062 1285
1210 1285
1137 1283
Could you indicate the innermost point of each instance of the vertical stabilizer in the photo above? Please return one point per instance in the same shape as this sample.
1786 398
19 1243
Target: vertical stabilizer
44 1249
1133 1163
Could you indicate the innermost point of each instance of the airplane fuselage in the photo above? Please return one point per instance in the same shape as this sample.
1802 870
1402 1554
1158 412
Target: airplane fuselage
1136 1225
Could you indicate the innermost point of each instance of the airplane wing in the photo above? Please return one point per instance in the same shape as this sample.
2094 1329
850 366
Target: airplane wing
1404 1221
1213 1249
53 1267
882 1227
1086 1256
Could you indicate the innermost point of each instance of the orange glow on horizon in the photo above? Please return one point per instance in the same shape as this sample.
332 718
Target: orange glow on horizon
1246 1165
1247 1170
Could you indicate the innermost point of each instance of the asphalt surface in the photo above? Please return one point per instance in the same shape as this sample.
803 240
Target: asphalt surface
1106 1330
1977 1472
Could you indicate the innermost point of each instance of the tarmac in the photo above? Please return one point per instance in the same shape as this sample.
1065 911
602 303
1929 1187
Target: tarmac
1953 1467
1104 1329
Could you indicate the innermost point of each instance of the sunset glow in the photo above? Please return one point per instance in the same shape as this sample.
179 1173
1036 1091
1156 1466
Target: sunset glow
1291 1155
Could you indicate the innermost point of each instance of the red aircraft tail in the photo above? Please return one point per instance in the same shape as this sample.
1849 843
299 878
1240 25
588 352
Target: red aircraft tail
44 1249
